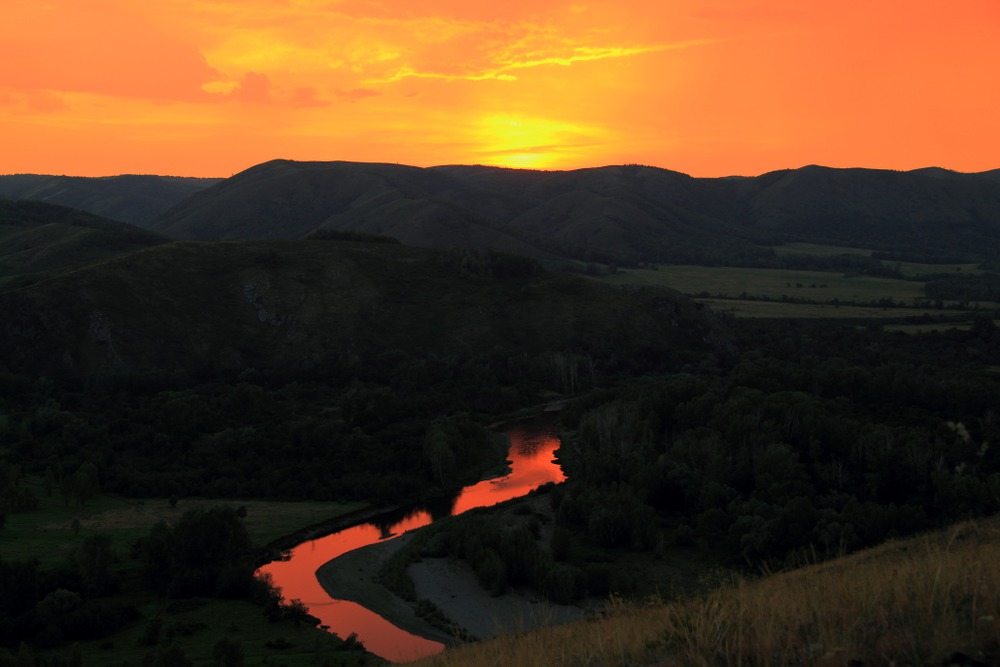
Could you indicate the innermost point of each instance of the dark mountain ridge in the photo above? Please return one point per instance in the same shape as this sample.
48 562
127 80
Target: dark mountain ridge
136 199
627 213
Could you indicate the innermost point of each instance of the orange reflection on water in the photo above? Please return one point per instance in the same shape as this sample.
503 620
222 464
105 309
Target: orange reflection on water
532 452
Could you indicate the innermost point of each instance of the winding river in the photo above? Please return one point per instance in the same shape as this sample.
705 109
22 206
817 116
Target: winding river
531 456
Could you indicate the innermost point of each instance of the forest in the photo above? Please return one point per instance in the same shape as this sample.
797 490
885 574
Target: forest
812 442
818 442
349 368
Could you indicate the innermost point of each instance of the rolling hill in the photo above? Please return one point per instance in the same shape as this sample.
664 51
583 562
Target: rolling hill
130 198
38 239
623 214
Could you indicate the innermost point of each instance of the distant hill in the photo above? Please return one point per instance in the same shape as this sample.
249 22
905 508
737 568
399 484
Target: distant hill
927 209
130 198
38 239
312 304
289 200
624 214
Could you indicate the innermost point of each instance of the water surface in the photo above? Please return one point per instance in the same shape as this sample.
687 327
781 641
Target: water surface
531 456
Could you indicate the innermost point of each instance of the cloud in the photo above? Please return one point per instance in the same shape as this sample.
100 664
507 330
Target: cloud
500 67
356 44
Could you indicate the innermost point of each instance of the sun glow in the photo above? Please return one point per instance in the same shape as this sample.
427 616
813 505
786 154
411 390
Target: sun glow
531 143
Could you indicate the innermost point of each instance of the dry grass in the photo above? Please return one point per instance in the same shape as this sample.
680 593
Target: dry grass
912 602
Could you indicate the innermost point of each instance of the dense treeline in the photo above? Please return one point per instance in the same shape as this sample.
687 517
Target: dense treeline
971 287
502 558
821 441
69 603
372 437
206 553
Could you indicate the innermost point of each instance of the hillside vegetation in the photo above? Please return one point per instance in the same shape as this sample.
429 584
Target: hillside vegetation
308 357
304 306
625 214
39 240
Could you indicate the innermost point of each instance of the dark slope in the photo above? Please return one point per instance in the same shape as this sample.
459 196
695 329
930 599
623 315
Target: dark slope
130 198
631 213
38 239
289 200
618 213
314 304
928 210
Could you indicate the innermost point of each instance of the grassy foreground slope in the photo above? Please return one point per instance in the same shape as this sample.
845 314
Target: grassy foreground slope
919 601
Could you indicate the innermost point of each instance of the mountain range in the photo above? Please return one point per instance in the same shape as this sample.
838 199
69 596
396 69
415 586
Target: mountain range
625 214
130 198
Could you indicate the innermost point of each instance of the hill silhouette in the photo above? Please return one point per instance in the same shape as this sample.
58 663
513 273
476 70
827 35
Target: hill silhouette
130 198
624 214
39 239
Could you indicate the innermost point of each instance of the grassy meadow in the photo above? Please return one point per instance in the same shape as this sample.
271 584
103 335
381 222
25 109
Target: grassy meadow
908 602
780 293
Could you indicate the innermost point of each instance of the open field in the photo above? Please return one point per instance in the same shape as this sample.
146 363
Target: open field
911 602
907 268
779 309
772 293
773 283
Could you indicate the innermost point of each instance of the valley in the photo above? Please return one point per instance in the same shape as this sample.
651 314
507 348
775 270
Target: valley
775 375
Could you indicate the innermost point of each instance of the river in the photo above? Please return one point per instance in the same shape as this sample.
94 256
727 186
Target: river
532 464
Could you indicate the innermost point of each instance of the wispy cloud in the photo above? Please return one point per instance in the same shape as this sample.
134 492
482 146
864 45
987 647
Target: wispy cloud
501 68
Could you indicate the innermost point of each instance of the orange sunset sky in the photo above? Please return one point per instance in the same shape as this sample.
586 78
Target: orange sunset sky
707 87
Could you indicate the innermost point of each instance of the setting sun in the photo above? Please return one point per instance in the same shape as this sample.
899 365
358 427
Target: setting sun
706 87
530 143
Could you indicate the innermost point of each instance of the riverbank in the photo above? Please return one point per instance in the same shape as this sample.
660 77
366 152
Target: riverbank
346 567
450 585
353 576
